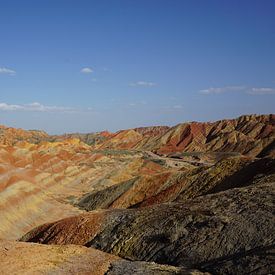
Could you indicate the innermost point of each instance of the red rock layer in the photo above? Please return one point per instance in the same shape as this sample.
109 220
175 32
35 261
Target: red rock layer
248 135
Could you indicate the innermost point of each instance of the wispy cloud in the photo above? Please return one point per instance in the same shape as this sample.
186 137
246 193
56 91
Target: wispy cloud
86 70
34 107
4 70
262 91
221 90
242 89
177 107
143 84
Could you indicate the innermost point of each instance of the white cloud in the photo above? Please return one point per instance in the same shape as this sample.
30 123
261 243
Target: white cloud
221 90
4 70
9 107
34 107
243 89
86 70
262 91
143 84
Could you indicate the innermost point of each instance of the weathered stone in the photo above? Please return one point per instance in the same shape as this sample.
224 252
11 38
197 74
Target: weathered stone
197 234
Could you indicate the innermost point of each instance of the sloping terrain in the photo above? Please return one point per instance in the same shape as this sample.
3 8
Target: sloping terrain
10 136
90 138
248 135
18 258
197 197
40 182
179 185
234 227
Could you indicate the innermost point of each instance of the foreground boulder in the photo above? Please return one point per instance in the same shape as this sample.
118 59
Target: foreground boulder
229 232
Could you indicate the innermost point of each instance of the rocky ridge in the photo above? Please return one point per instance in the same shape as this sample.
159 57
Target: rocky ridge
234 227
248 135
193 198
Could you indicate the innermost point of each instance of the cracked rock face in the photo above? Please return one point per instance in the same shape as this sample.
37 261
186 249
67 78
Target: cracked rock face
220 233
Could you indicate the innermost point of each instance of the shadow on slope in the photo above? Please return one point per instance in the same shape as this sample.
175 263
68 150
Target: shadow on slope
180 185
234 227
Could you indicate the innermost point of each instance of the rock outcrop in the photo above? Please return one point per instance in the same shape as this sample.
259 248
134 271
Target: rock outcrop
219 233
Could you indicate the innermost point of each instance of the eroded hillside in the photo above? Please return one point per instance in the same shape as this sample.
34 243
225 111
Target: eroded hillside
10 136
248 135
197 197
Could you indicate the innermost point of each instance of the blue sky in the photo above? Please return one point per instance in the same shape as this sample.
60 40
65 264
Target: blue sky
87 65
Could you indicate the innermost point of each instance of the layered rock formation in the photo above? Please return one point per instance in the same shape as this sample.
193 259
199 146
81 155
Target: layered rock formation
248 135
10 136
180 185
230 232
41 182
90 138
197 197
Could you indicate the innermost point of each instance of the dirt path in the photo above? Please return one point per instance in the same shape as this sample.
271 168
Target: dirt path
173 162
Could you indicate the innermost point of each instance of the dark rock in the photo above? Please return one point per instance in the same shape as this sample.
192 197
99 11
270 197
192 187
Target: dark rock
104 198
220 233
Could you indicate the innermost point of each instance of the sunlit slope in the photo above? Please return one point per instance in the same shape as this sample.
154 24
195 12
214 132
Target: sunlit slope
10 136
249 135
18 258
41 182
45 181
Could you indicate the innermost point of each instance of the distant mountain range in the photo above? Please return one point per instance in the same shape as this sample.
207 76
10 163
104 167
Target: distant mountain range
250 135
